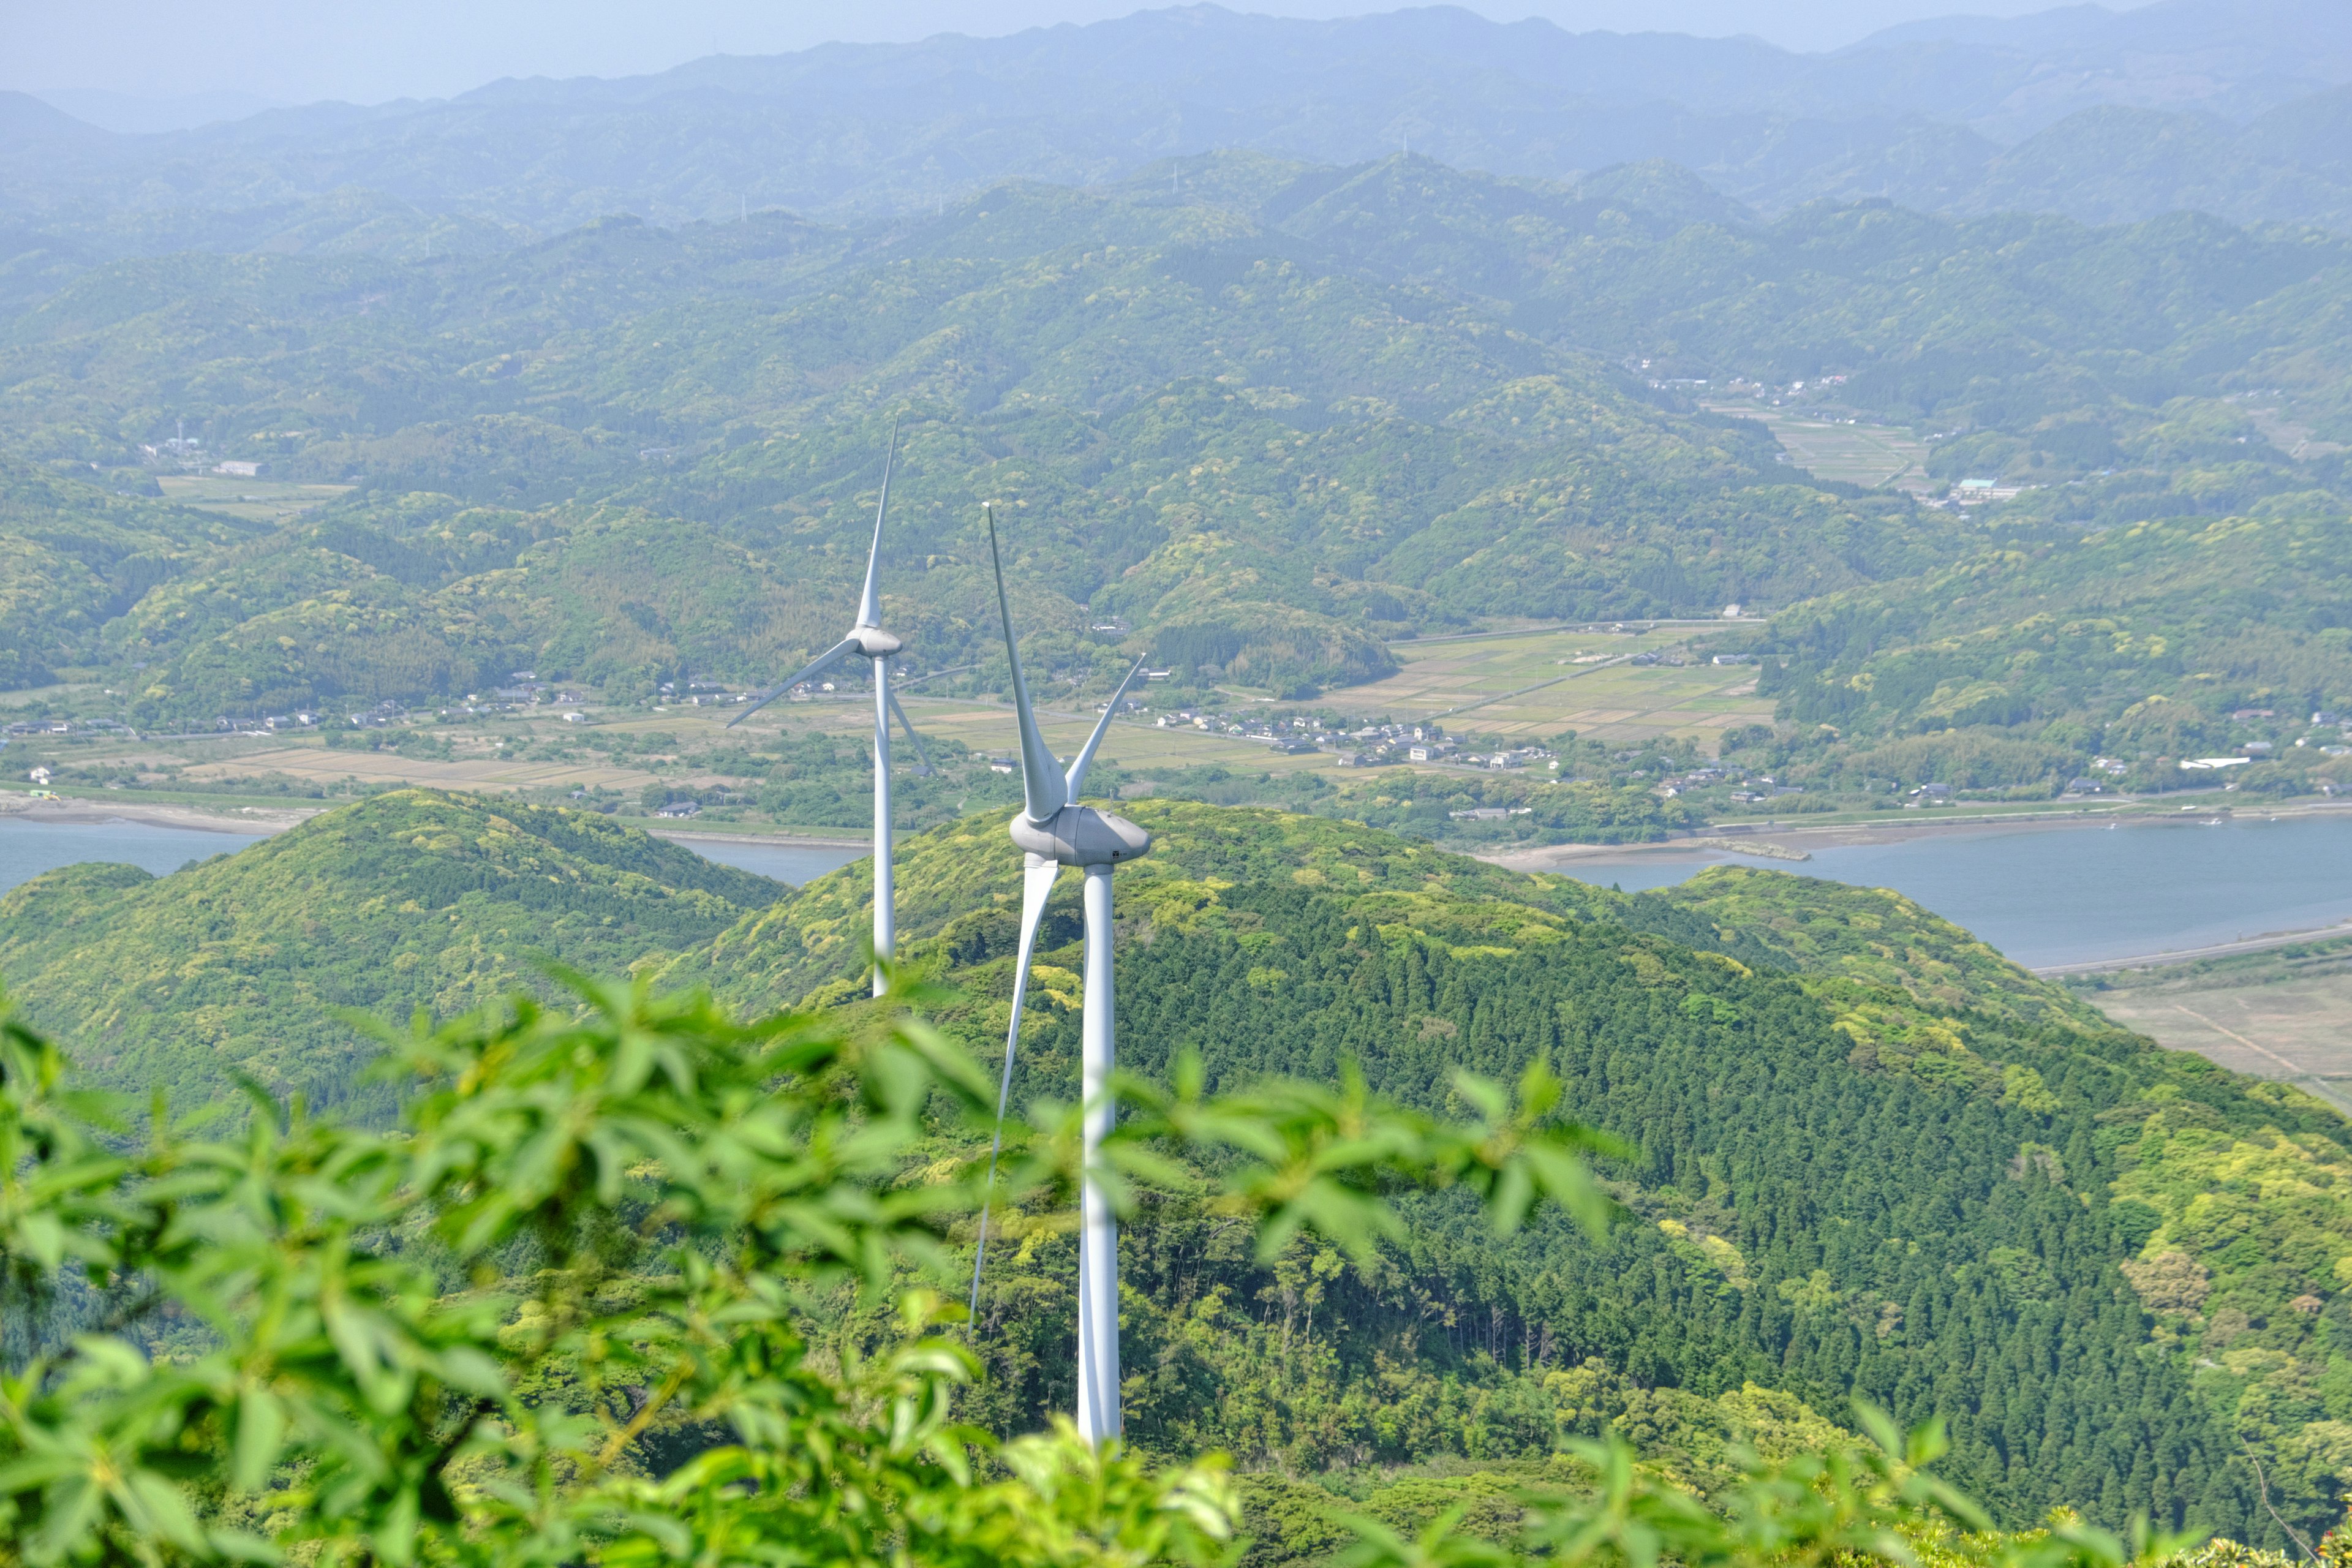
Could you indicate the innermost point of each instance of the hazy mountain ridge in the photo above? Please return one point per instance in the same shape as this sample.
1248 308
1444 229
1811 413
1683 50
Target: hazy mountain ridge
867 130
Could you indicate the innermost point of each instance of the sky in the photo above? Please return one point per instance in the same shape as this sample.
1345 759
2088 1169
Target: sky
233 56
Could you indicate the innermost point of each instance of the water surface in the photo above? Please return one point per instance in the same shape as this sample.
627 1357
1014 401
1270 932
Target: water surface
793 863
2079 895
29 849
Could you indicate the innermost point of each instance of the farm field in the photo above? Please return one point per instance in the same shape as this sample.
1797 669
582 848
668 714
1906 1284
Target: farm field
1868 454
1537 685
988 727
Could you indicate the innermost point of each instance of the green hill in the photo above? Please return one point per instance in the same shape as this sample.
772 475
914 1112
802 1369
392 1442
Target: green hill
1875 1159
1870 1156
1271 425
415 899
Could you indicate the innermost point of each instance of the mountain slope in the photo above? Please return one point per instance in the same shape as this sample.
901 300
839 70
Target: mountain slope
1903 1172
1253 448
2157 632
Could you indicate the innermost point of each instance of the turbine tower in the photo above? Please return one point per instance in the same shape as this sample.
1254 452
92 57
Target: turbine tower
1055 831
867 640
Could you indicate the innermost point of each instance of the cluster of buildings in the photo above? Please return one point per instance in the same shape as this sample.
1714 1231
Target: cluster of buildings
187 453
1377 745
1287 733
1372 745
1700 778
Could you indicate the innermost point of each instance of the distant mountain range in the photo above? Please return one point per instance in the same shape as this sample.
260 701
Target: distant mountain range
2239 107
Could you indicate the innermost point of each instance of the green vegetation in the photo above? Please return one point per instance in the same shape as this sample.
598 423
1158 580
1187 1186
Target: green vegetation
314 1340
645 1282
1867 1157
1267 428
2169 639
597 1273
1263 461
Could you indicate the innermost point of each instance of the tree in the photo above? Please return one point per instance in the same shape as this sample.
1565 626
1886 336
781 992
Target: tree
587 1305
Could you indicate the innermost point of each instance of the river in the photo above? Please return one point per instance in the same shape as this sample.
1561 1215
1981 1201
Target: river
793 863
2077 895
29 849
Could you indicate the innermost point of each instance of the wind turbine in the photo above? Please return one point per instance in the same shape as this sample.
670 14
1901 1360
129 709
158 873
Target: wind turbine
867 640
1055 831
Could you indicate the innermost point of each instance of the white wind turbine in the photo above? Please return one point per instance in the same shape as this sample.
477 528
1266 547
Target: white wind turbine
867 640
1055 831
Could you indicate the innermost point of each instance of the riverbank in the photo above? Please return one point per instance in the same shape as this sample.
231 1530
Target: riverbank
261 821
781 839
2147 961
1795 840
245 820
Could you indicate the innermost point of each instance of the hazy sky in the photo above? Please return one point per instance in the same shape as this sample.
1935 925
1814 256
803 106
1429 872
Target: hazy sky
370 50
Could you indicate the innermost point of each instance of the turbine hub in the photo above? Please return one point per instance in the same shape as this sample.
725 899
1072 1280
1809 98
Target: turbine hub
1081 836
873 642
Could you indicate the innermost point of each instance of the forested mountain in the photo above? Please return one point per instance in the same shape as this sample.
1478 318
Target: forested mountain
1261 454
338 410
1968 120
1869 1155
2164 627
243 964
1280 415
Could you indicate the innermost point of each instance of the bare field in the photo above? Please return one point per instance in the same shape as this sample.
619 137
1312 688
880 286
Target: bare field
317 764
1535 686
2290 436
1869 455
2261 1016
255 501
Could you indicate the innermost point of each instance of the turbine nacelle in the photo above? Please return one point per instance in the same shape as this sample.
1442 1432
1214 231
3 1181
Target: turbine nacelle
873 642
1081 836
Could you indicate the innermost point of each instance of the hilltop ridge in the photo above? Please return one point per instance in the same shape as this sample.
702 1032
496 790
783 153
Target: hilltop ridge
1928 115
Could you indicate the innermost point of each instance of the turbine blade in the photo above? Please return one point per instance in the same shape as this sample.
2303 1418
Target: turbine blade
923 772
1036 886
1076 780
1042 789
870 606
825 661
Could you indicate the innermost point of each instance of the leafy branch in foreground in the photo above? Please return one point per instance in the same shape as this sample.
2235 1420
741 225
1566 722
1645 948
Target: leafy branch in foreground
572 1313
